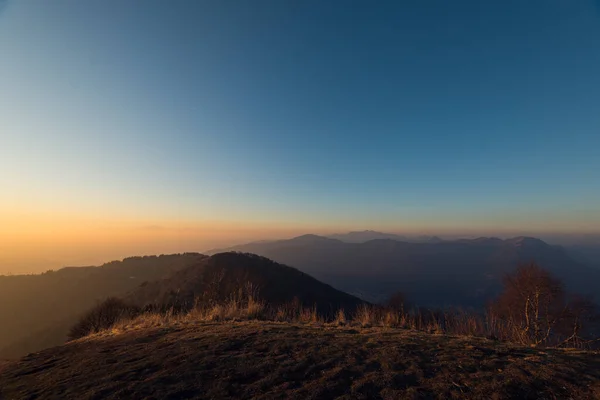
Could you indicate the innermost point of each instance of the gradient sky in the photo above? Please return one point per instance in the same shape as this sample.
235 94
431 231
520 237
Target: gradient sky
158 126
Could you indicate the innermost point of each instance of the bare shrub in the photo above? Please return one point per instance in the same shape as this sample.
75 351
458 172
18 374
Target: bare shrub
534 310
460 322
255 308
340 317
581 314
390 318
281 314
217 313
364 316
309 315
103 316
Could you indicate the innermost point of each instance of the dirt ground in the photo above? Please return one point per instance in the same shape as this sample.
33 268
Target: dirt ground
286 361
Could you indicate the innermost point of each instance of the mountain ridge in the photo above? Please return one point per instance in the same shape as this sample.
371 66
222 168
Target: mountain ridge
224 275
44 306
463 272
367 235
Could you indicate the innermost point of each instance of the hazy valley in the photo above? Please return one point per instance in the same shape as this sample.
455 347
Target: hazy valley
38 310
240 325
430 271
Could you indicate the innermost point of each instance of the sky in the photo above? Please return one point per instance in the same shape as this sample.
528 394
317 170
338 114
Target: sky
143 127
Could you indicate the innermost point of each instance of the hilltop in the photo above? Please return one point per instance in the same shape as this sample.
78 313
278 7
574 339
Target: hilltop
218 278
37 311
266 360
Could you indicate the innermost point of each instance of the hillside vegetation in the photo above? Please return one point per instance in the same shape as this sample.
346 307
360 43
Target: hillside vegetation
532 310
218 278
239 325
267 360
36 311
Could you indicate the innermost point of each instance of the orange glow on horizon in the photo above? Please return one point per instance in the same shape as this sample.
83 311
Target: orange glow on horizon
35 242
32 242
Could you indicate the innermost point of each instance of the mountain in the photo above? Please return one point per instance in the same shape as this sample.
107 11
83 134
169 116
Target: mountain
366 236
263 360
587 254
36 311
465 272
425 239
584 247
223 275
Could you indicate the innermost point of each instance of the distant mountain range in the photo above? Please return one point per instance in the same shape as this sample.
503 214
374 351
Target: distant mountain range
365 236
36 311
464 272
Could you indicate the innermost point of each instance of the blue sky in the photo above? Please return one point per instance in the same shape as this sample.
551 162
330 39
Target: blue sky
407 114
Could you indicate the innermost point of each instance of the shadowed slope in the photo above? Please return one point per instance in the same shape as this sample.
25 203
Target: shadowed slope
448 273
223 275
269 360
36 311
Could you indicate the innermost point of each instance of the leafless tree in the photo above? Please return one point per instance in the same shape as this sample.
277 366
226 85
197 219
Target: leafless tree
534 308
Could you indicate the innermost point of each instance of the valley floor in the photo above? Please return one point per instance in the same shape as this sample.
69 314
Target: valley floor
277 360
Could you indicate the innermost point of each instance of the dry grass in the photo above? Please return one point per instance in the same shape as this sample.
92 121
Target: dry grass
340 318
183 357
456 322
365 316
